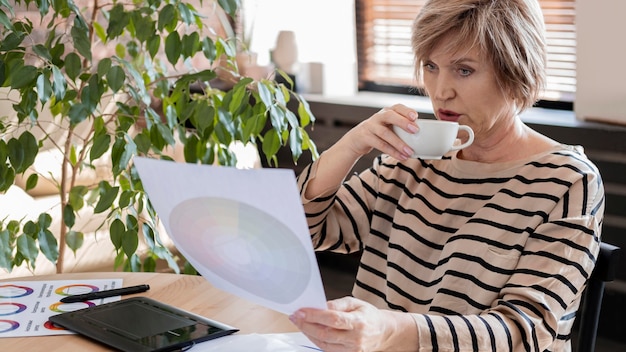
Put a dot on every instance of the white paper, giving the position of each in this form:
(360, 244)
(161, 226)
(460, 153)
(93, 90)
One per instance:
(292, 342)
(26, 306)
(243, 230)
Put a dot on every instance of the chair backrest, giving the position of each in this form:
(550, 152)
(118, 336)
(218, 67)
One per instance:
(604, 271)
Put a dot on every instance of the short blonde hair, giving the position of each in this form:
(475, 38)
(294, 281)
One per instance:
(508, 33)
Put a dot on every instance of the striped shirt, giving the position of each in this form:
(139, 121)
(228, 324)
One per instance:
(486, 257)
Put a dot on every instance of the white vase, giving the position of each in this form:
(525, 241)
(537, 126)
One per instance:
(285, 53)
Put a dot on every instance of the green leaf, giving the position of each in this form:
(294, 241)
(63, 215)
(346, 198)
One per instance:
(25, 76)
(145, 28)
(167, 17)
(6, 23)
(59, 85)
(78, 113)
(104, 66)
(3, 75)
(108, 195)
(266, 94)
(44, 89)
(230, 6)
(134, 263)
(208, 48)
(30, 229)
(277, 117)
(116, 232)
(190, 44)
(295, 143)
(153, 44)
(42, 52)
(190, 149)
(69, 217)
(30, 148)
(130, 242)
(254, 126)
(48, 245)
(12, 41)
(6, 257)
(125, 199)
(77, 197)
(116, 78)
(27, 247)
(271, 143)
(142, 141)
(185, 13)
(74, 240)
(304, 111)
(118, 20)
(45, 220)
(149, 265)
(81, 41)
(100, 32)
(31, 182)
(121, 154)
(16, 155)
(100, 145)
(173, 47)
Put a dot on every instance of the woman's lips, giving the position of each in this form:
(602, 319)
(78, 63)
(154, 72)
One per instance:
(447, 115)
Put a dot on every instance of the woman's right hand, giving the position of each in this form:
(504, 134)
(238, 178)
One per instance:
(376, 133)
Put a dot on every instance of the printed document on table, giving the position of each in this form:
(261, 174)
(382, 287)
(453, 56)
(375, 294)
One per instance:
(244, 230)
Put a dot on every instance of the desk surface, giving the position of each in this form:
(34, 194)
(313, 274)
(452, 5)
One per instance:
(191, 293)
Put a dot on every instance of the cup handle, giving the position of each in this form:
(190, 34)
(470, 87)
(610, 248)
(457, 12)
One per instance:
(470, 138)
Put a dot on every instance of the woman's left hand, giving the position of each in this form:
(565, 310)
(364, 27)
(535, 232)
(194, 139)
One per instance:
(348, 324)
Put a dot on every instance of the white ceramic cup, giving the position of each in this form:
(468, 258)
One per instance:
(434, 138)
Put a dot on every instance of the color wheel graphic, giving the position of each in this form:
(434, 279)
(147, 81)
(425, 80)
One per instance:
(14, 291)
(75, 289)
(11, 308)
(60, 307)
(234, 240)
(8, 325)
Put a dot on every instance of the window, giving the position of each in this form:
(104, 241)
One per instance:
(385, 60)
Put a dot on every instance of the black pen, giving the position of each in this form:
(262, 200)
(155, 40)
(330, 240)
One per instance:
(104, 294)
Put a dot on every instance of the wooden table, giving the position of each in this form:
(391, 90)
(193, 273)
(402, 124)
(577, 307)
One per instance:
(191, 293)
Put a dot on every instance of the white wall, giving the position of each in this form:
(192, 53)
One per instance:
(325, 33)
(601, 60)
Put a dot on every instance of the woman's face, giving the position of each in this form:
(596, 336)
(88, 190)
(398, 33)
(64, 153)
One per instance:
(463, 88)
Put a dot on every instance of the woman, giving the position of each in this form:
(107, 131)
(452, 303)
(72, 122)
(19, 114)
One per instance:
(487, 249)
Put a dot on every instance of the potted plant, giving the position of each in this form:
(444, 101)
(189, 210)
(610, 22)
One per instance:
(121, 79)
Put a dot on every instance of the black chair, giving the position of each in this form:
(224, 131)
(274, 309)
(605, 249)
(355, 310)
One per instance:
(591, 304)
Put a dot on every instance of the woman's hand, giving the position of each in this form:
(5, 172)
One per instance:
(350, 324)
(376, 133)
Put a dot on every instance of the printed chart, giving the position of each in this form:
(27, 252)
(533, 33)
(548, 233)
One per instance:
(26, 305)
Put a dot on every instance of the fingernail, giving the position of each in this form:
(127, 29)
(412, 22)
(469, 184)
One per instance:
(413, 115)
(412, 128)
(296, 316)
(407, 151)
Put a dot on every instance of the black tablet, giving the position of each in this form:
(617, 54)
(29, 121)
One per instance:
(142, 324)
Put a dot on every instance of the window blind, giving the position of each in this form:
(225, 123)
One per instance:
(385, 59)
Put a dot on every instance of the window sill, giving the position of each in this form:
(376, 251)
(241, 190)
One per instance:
(374, 100)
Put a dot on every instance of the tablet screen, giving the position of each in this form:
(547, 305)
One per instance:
(140, 321)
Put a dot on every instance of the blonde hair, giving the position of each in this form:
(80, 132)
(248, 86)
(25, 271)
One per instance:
(508, 33)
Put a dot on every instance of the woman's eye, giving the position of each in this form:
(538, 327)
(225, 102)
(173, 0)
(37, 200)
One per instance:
(465, 72)
(429, 66)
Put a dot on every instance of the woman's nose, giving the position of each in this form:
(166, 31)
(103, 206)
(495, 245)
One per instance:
(444, 88)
